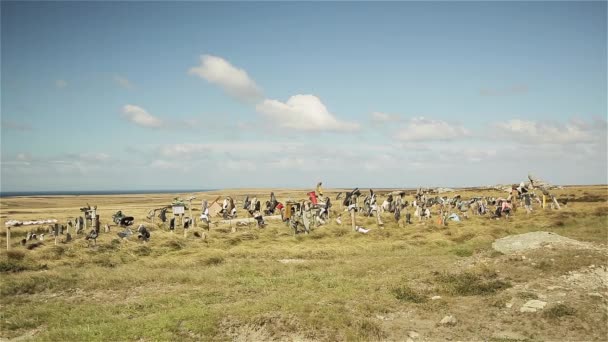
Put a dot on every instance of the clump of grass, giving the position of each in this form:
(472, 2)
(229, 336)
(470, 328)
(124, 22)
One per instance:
(213, 260)
(340, 232)
(495, 254)
(464, 237)
(174, 245)
(407, 294)
(471, 284)
(558, 311)
(12, 266)
(15, 255)
(543, 265)
(142, 250)
(559, 223)
(462, 251)
(370, 330)
(527, 295)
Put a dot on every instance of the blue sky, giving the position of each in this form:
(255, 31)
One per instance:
(211, 95)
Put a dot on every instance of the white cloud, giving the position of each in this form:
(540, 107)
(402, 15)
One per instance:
(61, 83)
(140, 117)
(303, 112)
(574, 131)
(383, 117)
(422, 129)
(236, 82)
(123, 82)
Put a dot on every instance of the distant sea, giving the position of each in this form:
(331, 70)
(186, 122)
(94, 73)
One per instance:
(97, 192)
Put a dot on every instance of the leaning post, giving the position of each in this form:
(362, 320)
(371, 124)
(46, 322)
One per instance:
(8, 238)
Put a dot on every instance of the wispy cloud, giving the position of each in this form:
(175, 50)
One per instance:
(123, 82)
(423, 129)
(234, 81)
(305, 113)
(61, 84)
(141, 117)
(380, 117)
(534, 132)
(517, 89)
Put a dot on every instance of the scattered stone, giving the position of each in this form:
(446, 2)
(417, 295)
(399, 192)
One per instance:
(448, 320)
(533, 306)
(435, 297)
(595, 295)
(551, 288)
(409, 340)
(413, 334)
(509, 305)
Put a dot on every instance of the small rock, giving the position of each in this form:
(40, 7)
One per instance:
(551, 288)
(576, 256)
(435, 297)
(523, 257)
(448, 320)
(409, 340)
(509, 305)
(541, 296)
(595, 295)
(533, 305)
(413, 334)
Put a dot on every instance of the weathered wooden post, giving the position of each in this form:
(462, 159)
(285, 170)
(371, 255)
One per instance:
(378, 219)
(56, 232)
(8, 238)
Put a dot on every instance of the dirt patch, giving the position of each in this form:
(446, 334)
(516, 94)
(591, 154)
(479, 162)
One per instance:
(534, 240)
(592, 278)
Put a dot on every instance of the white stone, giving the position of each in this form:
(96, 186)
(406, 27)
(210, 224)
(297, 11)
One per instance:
(448, 320)
(413, 334)
(435, 297)
(533, 305)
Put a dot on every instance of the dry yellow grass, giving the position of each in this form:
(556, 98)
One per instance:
(334, 284)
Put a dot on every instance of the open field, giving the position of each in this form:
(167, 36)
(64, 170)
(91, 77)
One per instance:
(333, 284)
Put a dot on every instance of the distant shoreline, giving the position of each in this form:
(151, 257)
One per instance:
(96, 192)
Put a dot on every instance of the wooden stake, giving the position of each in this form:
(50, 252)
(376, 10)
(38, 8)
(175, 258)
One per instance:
(353, 219)
(378, 219)
(8, 238)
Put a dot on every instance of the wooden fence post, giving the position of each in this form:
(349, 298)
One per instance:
(8, 238)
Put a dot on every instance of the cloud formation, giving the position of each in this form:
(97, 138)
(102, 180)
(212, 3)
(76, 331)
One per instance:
(141, 117)
(305, 113)
(123, 82)
(423, 129)
(379, 117)
(574, 131)
(234, 81)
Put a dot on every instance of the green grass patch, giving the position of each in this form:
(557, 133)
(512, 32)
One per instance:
(407, 294)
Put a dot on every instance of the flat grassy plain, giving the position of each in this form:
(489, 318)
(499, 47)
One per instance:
(333, 284)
